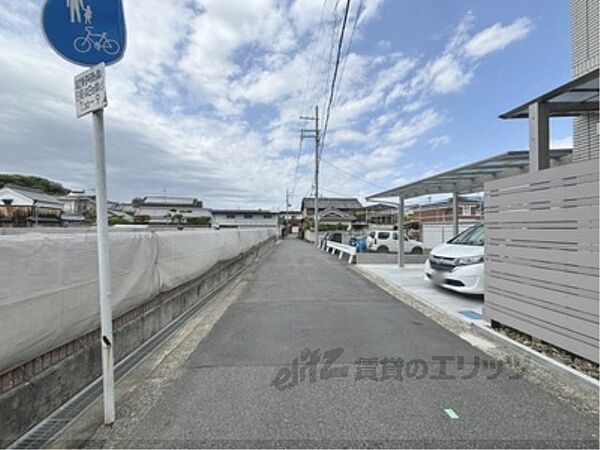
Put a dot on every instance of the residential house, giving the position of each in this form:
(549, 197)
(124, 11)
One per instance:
(127, 208)
(75, 205)
(469, 210)
(336, 218)
(25, 207)
(291, 216)
(381, 214)
(345, 205)
(239, 218)
(292, 219)
(163, 210)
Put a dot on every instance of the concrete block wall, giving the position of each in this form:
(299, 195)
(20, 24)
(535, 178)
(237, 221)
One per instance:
(30, 392)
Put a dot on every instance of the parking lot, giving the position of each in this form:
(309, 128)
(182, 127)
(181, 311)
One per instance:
(411, 279)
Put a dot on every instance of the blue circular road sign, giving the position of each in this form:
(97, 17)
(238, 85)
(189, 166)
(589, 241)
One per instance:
(85, 32)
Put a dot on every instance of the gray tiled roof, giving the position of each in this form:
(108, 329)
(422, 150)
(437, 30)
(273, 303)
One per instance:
(34, 194)
(166, 201)
(332, 203)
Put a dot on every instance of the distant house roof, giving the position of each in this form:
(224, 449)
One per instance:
(158, 200)
(34, 194)
(242, 211)
(381, 207)
(448, 203)
(151, 212)
(331, 203)
(77, 195)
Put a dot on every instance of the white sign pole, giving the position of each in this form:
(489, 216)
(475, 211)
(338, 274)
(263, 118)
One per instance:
(104, 270)
(90, 97)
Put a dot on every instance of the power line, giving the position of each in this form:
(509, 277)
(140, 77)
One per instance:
(330, 60)
(335, 74)
(307, 101)
(336, 193)
(351, 175)
(356, 18)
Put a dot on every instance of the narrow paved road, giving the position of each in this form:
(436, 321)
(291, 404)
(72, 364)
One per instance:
(247, 384)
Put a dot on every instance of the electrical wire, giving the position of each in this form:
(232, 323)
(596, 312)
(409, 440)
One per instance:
(334, 78)
(345, 59)
(308, 101)
(336, 193)
(351, 175)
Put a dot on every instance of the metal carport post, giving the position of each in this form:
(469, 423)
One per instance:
(401, 231)
(454, 213)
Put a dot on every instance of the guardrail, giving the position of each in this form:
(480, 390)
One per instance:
(342, 249)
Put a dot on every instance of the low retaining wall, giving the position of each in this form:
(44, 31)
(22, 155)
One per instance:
(389, 258)
(33, 390)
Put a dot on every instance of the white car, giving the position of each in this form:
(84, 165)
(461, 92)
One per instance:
(384, 241)
(458, 264)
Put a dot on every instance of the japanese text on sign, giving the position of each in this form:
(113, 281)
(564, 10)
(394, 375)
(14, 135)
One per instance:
(90, 90)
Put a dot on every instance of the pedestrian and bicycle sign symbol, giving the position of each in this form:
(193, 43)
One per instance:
(86, 32)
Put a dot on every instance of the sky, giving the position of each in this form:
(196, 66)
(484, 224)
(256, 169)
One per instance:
(207, 99)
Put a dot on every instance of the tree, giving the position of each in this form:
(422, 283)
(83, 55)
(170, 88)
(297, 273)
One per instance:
(116, 220)
(136, 202)
(90, 216)
(41, 184)
(198, 221)
(176, 218)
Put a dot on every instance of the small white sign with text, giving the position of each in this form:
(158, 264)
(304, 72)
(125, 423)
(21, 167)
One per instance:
(90, 90)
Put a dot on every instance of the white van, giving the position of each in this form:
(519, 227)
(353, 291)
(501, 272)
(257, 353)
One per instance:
(384, 241)
(458, 264)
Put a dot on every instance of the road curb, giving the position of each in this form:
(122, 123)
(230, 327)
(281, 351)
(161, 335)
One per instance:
(439, 315)
(563, 380)
(568, 374)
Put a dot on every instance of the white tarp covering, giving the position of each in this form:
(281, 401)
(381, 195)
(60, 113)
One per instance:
(49, 282)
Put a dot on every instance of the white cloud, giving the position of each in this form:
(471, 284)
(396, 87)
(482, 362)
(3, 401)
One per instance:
(497, 37)
(307, 13)
(207, 99)
(447, 75)
(439, 141)
(564, 142)
(407, 131)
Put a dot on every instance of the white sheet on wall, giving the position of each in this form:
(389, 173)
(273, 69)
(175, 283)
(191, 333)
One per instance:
(49, 282)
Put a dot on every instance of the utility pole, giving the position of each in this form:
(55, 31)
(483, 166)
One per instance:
(287, 213)
(314, 133)
(287, 202)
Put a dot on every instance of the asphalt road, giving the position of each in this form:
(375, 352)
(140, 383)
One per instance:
(248, 384)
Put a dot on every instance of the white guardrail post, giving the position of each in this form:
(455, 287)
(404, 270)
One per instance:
(331, 247)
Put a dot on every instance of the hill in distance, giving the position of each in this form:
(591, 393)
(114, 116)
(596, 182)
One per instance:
(27, 181)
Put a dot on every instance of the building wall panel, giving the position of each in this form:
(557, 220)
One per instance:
(585, 57)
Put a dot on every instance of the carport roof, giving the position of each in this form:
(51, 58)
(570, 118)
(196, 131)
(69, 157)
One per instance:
(470, 178)
(577, 97)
